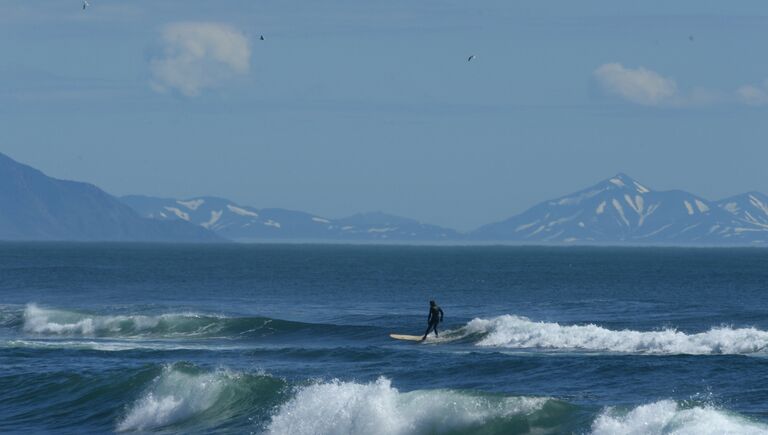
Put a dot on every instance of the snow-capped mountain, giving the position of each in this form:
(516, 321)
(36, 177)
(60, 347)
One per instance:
(751, 207)
(620, 210)
(34, 206)
(244, 223)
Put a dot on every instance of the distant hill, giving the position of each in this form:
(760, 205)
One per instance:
(620, 210)
(244, 223)
(751, 207)
(615, 211)
(36, 207)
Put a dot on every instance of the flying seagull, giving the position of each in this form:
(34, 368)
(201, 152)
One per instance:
(469, 59)
(85, 4)
(262, 37)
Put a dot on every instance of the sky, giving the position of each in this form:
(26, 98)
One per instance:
(350, 106)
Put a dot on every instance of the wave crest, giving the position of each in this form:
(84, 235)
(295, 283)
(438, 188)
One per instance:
(519, 332)
(378, 408)
(183, 395)
(62, 322)
(667, 417)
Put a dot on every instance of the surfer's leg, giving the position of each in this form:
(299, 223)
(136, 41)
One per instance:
(429, 329)
(435, 329)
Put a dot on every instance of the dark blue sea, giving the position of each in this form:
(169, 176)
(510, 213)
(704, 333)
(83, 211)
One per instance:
(293, 339)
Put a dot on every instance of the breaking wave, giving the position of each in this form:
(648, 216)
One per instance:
(184, 398)
(46, 321)
(670, 418)
(510, 331)
(378, 408)
(183, 395)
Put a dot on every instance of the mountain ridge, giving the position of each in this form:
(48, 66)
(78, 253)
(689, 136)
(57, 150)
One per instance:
(618, 210)
(35, 206)
(622, 210)
(245, 223)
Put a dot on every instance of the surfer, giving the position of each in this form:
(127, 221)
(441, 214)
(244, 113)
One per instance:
(435, 317)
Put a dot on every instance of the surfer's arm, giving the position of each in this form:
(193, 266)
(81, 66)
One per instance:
(441, 314)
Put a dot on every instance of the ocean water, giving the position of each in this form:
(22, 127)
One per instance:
(293, 339)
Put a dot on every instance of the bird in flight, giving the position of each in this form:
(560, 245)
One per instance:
(469, 59)
(262, 37)
(85, 4)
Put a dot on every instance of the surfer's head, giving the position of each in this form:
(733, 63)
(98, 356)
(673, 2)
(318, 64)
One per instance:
(432, 303)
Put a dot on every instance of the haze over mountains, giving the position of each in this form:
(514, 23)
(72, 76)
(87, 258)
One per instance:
(621, 210)
(243, 223)
(36, 207)
(616, 211)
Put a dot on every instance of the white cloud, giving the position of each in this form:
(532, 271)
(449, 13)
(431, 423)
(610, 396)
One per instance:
(753, 95)
(649, 88)
(199, 55)
(637, 85)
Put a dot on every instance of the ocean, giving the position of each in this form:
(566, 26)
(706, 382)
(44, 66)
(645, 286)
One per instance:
(293, 339)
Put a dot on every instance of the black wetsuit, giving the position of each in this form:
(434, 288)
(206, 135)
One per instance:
(435, 317)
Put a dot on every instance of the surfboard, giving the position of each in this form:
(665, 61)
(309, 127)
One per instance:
(405, 337)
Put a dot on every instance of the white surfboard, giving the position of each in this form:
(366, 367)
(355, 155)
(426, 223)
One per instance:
(405, 337)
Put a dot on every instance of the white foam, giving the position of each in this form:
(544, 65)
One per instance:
(117, 345)
(377, 408)
(519, 332)
(174, 397)
(49, 321)
(667, 417)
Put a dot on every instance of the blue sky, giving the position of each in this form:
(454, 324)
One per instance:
(350, 106)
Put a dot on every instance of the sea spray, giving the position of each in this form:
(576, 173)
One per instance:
(511, 331)
(184, 394)
(174, 396)
(338, 407)
(669, 418)
(48, 321)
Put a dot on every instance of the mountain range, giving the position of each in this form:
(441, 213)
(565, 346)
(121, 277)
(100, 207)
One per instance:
(616, 211)
(36, 207)
(243, 223)
(621, 210)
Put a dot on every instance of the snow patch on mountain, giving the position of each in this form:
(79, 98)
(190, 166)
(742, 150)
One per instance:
(703, 208)
(241, 211)
(271, 223)
(215, 216)
(193, 204)
(600, 208)
(180, 214)
(688, 207)
(640, 188)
